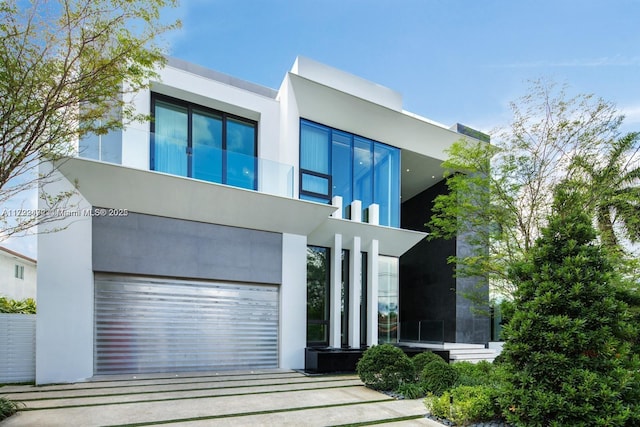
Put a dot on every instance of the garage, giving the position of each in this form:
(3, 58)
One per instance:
(148, 324)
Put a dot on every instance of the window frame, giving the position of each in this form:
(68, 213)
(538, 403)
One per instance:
(191, 106)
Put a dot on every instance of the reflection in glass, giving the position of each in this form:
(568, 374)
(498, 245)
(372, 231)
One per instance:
(387, 299)
(207, 146)
(362, 171)
(241, 167)
(171, 138)
(341, 167)
(317, 296)
(387, 183)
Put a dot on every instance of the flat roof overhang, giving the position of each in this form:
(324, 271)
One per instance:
(391, 241)
(154, 193)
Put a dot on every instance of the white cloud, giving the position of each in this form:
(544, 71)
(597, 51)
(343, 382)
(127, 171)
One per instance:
(605, 61)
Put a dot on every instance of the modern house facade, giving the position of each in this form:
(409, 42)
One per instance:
(245, 224)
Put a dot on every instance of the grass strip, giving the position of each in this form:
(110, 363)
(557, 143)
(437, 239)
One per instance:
(328, 378)
(171, 399)
(39, 399)
(243, 414)
(385, 421)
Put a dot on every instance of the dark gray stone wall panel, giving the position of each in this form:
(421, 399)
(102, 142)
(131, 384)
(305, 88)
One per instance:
(427, 285)
(152, 245)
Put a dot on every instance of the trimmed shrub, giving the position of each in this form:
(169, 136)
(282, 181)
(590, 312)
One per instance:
(411, 391)
(421, 360)
(472, 374)
(438, 377)
(464, 404)
(7, 408)
(385, 367)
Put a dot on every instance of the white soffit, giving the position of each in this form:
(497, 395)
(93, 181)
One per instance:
(153, 193)
(392, 241)
(343, 111)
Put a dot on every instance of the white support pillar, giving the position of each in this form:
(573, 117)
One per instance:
(335, 321)
(337, 202)
(356, 211)
(355, 286)
(374, 214)
(372, 294)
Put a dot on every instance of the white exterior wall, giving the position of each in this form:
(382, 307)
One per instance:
(290, 130)
(293, 302)
(64, 326)
(11, 286)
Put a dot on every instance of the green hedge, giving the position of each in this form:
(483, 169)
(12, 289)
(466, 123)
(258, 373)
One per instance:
(25, 306)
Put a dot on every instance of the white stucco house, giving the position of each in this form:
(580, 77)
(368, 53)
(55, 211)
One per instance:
(18, 275)
(245, 224)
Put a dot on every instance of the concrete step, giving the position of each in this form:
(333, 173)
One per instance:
(473, 355)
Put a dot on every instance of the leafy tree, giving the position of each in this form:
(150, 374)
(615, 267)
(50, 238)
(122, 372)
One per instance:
(501, 194)
(67, 68)
(567, 357)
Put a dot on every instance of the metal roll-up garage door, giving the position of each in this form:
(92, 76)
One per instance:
(164, 325)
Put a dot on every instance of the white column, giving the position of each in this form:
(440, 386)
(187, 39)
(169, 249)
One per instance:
(337, 202)
(372, 294)
(374, 214)
(293, 298)
(355, 286)
(356, 211)
(64, 324)
(335, 292)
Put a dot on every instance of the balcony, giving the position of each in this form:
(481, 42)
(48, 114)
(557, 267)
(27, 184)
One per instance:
(203, 162)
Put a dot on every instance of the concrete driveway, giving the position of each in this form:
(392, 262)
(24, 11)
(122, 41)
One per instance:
(256, 398)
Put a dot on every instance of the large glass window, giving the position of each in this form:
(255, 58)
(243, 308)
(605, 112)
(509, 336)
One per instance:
(337, 163)
(387, 299)
(318, 271)
(315, 180)
(191, 140)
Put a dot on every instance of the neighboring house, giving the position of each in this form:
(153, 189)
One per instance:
(17, 275)
(245, 224)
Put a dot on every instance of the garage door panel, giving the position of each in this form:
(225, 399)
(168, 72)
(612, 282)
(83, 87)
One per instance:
(161, 325)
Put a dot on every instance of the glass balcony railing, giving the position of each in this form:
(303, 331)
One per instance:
(202, 161)
(423, 331)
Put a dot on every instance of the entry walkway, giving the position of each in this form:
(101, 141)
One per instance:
(257, 398)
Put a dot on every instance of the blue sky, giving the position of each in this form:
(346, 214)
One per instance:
(452, 60)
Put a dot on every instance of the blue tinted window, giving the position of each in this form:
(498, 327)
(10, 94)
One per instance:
(314, 148)
(387, 183)
(207, 146)
(341, 167)
(241, 163)
(171, 138)
(190, 140)
(360, 169)
(363, 171)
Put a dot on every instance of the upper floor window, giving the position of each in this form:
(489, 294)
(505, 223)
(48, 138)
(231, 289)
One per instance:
(198, 142)
(19, 272)
(337, 163)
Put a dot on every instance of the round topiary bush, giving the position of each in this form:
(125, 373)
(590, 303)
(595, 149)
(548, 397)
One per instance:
(421, 360)
(385, 367)
(438, 377)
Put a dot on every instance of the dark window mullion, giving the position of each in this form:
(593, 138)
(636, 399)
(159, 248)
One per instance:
(224, 148)
(189, 141)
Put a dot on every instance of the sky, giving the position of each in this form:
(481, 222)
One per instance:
(453, 61)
